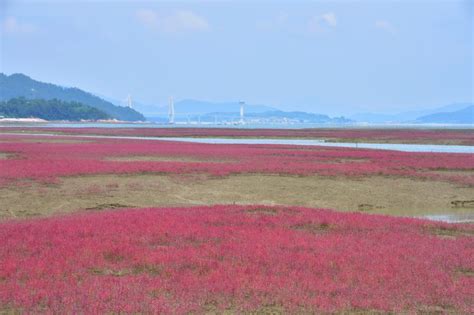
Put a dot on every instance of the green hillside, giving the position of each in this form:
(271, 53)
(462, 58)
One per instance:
(20, 85)
(49, 110)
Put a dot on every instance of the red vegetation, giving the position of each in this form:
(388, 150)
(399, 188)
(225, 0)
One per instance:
(465, 137)
(48, 161)
(179, 260)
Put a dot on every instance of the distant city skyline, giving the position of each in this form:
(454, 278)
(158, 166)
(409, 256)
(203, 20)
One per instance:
(336, 58)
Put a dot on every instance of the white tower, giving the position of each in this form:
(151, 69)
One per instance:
(129, 101)
(171, 111)
(242, 103)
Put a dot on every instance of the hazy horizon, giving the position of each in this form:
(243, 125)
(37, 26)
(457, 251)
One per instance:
(336, 58)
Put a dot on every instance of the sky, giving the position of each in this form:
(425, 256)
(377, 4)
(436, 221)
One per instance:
(331, 57)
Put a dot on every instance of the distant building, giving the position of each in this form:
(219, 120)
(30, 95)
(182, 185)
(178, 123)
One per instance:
(242, 103)
(171, 111)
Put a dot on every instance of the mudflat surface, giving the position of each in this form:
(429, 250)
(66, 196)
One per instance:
(375, 194)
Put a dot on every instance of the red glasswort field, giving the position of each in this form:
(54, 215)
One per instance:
(465, 137)
(240, 258)
(47, 161)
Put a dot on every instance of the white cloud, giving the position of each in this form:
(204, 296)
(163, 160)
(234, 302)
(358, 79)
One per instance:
(178, 22)
(147, 17)
(329, 18)
(11, 25)
(318, 23)
(386, 26)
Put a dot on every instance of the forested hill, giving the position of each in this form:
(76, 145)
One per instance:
(49, 110)
(20, 85)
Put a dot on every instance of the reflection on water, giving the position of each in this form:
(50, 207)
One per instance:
(362, 145)
(452, 218)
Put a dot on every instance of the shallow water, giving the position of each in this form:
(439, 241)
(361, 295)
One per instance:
(452, 218)
(300, 142)
(362, 145)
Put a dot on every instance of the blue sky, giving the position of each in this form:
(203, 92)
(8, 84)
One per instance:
(338, 57)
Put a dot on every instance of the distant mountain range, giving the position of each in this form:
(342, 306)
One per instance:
(193, 107)
(20, 85)
(205, 111)
(273, 116)
(190, 107)
(458, 113)
(190, 110)
(463, 116)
